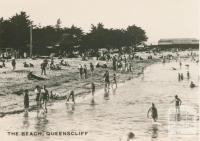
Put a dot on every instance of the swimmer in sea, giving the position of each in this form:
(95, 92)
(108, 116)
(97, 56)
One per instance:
(178, 103)
(154, 113)
(129, 137)
(192, 85)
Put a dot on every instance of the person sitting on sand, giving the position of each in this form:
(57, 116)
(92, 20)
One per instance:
(26, 101)
(178, 103)
(71, 94)
(154, 113)
(31, 76)
(45, 97)
(192, 85)
(26, 65)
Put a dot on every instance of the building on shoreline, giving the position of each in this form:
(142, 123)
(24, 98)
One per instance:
(182, 43)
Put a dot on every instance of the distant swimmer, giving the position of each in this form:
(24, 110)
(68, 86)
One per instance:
(130, 137)
(192, 85)
(71, 94)
(154, 113)
(173, 68)
(187, 65)
(178, 103)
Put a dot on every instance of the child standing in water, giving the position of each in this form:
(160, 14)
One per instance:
(154, 113)
(26, 101)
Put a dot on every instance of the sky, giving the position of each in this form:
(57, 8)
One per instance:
(159, 18)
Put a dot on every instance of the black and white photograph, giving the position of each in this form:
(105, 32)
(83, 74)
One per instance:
(99, 70)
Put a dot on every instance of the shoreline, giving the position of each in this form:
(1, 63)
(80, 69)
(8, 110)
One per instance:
(60, 85)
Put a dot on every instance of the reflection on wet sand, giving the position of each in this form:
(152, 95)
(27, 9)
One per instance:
(106, 95)
(26, 122)
(41, 123)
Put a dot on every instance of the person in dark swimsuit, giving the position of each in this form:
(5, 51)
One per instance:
(178, 103)
(154, 113)
(91, 68)
(93, 88)
(45, 96)
(13, 64)
(81, 71)
(26, 100)
(192, 85)
(71, 94)
(38, 100)
(107, 80)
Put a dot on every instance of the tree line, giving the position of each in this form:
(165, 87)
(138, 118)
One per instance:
(15, 34)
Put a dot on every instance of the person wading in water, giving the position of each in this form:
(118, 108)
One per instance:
(154, 113)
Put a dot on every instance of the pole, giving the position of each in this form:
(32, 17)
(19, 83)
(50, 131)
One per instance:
(31, 40)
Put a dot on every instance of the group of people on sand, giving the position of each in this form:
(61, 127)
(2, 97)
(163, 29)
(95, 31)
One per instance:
(122, 63)
(106, 77)
(83, 70)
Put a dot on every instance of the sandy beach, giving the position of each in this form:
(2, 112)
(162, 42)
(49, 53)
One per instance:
(60, 82)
